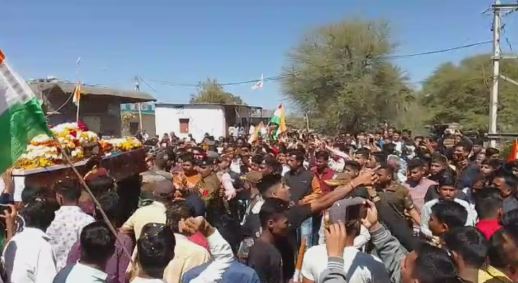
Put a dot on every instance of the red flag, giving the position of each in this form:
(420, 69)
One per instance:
(513, 155)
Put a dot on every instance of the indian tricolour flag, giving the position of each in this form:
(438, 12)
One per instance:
(279, 119)
(21, 116)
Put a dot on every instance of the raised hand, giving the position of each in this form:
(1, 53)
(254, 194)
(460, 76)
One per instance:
(336, 236)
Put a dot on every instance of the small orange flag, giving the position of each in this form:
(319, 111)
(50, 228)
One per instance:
(77, 94)
(513, 155)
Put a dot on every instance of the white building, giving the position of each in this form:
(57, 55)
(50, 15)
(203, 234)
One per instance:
(198, 119)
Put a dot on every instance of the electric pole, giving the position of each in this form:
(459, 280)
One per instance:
(493, 99)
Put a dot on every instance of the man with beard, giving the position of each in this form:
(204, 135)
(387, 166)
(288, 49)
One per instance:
(304, 188)
(321, 171)
(466, 171)
(188, 177)
(395, 194)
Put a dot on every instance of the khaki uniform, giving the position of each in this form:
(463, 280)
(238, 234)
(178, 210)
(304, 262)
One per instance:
(398, 197)
(209, 187)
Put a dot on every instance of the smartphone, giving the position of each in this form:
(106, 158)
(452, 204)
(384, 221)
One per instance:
(346, 210)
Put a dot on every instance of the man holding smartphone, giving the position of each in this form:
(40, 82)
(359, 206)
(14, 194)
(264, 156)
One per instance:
(359, 266)
(280, 220)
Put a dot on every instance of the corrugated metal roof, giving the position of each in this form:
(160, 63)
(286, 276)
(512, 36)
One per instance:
(126, 96)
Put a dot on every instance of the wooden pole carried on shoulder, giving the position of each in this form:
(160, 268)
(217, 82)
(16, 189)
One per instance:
(96, 202)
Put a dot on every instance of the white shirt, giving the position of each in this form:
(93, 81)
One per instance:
(226, 181)
(84, 273)
(65, 229)
(285, 169)
(359, 267)
(398, 146)
(359, 242)
(337, 165)
(264, 131)
(426, 213)
(28, 257)
(235, 166)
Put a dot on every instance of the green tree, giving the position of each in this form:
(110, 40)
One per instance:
(341, 75)
(210, 91)
(460, 93)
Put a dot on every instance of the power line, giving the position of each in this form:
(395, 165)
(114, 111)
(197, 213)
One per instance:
(278, 77)
(146, 83)
(438, 51)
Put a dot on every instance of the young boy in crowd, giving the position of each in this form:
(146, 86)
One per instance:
(446, 215)
(97, 246)
(489, 210)
(468, 248)
(447, 192)
(503, 256)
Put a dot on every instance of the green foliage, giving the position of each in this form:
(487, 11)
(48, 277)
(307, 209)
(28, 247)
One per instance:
(340, 75)
(210, 91)
(296, 121)
(460, 93)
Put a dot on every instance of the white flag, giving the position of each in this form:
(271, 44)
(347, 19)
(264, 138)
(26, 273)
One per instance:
(259, 84)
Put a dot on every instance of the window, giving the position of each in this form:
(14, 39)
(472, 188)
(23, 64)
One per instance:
(184, 126)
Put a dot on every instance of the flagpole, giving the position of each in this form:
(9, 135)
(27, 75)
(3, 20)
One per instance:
(77, 112)
(137, 89)
(78, 63)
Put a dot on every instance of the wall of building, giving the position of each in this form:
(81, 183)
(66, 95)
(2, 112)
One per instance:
(131, 126)
(202, 119)
(100, 113)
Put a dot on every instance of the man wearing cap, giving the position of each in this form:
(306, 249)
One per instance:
(251, 224)
(209, 189)
(163, 193)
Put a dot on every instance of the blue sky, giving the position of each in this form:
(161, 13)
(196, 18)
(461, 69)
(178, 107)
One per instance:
(230, 40)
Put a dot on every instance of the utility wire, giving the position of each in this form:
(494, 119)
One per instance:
(278, 77)
(438, 51)
(146, 83)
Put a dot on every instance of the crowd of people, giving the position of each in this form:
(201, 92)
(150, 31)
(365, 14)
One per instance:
(384, 206)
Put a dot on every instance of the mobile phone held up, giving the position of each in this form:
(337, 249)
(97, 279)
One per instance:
(347, 210)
